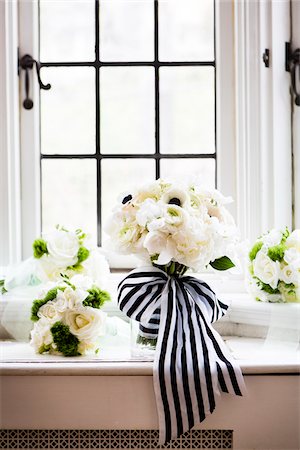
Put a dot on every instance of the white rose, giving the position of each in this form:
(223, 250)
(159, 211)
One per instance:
(266, 270)
(293, 241)
(63, 247)
(290, 274)
(273, 238)
(49, 311)
(292, 256)
(86, 323)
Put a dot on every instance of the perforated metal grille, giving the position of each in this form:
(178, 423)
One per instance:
(111, 439)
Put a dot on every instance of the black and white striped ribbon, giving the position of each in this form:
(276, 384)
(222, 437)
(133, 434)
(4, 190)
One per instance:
(192, 365)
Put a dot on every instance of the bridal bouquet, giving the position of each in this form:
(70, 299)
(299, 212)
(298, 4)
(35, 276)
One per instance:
(274, 267)
(173, 228)
(59, 251)
(67, 317)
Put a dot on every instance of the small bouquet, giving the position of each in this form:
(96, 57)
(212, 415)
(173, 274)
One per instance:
(274, 269)
(60, 251)
(67, 317)
(174, 228)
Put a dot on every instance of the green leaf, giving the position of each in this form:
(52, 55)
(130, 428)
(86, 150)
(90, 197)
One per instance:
(82, 255)
(223, 263)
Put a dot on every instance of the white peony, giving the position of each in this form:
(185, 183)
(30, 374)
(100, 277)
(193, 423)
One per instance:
(63, 247)
(266, 270)
(148, 211)
(86, 323)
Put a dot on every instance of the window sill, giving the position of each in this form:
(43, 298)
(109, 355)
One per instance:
(20, 359)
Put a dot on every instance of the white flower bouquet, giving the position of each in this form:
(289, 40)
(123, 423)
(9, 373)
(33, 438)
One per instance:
(67, 317)
(175, 227)
(274, 267)
(59, 251)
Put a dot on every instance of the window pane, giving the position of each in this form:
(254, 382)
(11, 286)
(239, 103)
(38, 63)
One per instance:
(67, 30)
(200, 170)
(126, 30)
(127, 110)
(68, 110)
(121, 175)
(187, 117)
(69, 191)
(186, 30)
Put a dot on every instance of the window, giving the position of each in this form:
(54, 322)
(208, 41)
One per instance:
(248, 128)
(129, 102)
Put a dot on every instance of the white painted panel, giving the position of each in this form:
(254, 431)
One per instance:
(267, 418)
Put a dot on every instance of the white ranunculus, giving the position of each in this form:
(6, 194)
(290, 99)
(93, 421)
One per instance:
(293, 241)
(49, 311)
(175, 215)
(86, 323)
(290, 274)
(273, 238)
(63, 247)
(266, 270)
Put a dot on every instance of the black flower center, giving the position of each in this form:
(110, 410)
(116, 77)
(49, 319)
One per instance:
(175, 201)
(127, 199)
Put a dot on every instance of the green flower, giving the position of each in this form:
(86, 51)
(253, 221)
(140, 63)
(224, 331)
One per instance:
(65, 341)
(82, 255)
(39, 248)
(255, 249)
(288, 292)
(276, 253)
(96, 298)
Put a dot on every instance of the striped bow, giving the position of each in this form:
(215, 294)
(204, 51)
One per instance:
(192, 364)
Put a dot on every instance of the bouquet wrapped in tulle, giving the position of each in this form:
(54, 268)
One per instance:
(67, 317)
(173, 228)
(59, 251)
(274, 267)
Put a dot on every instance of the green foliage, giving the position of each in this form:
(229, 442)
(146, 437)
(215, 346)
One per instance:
(146, 341)
(65, 341)
(266, 287)
(285, 234)
(255, 249)
(81, 236)
(96, 298)
(51, 295)
(288, 292)
(82, 255)
(276, 253)
(2, 288)
(223, 263)
(39, 248)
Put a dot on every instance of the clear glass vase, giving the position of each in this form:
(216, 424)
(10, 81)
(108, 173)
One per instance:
(143, 348)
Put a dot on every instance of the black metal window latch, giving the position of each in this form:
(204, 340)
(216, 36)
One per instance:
(292, 65)
(26, 63)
